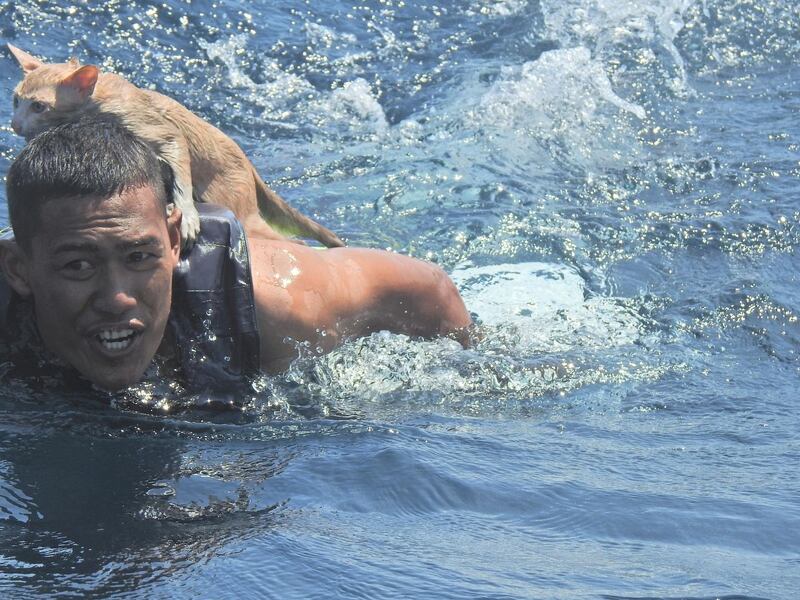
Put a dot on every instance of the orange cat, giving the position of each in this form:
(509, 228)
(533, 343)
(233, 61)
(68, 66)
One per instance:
(208, 165)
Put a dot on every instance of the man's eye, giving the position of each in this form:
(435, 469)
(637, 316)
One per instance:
(78, 268)
(38, 107)
(141, 258)
(78, 265)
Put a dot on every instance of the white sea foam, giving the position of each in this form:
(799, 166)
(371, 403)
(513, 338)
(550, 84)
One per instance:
(548, 305)
(565, 102)
(499, 8)
(275, 95)
(352, 109)
(321, 37)
(567, 78)
(609, 20)
(602, 25)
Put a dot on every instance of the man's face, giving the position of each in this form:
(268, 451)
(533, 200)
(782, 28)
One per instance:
(100, 272)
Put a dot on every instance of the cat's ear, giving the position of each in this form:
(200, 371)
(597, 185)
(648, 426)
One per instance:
(82, 81)
(25, 60)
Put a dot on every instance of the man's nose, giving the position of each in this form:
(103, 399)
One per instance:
(114, 294)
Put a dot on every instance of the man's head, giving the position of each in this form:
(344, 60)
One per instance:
(95, 248)
(90, 157)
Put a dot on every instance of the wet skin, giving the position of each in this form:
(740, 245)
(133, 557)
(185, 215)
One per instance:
(325, 297)
(100, 272)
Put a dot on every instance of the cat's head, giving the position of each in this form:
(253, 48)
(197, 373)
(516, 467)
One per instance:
(50, 94)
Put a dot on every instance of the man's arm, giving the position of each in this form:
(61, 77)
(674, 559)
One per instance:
(325, 296)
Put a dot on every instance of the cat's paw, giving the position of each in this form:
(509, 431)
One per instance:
(190, 227)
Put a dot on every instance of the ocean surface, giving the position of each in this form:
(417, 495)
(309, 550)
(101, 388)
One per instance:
(614, 186)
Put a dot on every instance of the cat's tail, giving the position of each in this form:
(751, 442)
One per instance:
(289, 220)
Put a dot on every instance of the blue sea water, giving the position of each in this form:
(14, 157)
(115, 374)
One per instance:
(612, 183)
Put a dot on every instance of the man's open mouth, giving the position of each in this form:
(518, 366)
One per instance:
(115, 340)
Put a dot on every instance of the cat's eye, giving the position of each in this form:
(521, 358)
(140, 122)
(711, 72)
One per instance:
(37, 106)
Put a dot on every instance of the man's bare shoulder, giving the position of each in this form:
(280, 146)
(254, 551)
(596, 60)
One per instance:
(348, 276)
(302, 292)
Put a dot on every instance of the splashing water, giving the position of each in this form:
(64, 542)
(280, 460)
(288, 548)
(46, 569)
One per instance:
(611, 185)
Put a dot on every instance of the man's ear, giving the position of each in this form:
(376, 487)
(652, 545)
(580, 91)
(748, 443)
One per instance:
(14, 264)
(174, 218)
(25, 60)
(82, 81)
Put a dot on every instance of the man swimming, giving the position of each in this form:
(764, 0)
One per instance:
(98, 283)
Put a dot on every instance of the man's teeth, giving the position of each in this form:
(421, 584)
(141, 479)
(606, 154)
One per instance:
(116, 339)
(115, 334)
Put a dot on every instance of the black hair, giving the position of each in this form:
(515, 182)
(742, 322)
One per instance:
(95, 156)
